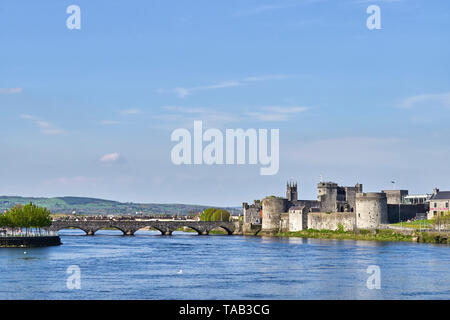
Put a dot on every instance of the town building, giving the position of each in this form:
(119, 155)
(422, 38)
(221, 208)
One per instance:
(439, 203)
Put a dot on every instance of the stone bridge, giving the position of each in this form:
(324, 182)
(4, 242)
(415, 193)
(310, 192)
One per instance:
(129, 227)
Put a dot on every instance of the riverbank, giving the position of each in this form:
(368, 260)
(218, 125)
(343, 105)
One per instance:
(29, 242)
(372, 235)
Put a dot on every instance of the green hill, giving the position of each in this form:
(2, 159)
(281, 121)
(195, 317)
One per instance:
(93, 206)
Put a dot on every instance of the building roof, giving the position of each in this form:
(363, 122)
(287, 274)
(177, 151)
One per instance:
(441, 195)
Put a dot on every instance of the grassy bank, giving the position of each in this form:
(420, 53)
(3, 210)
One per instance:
(215, 231)
(370, 235)
(424, 224)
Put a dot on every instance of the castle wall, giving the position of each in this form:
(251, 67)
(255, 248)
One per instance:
(284, 222)
(331, 221)
(306, 203)
(351, 195)
(272, 208)
(371, 210)
(250, 229)
(327, 195)
(395, 196)
(298, 219)
(407, 211)
(252, 213)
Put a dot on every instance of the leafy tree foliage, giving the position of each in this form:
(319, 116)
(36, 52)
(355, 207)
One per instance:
(213, 214)
(442, 219)
(28, 216)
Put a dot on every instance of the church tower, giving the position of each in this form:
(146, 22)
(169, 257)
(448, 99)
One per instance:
(291, 191)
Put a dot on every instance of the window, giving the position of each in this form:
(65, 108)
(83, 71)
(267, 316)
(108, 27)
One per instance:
(435, 204)
(446, 205)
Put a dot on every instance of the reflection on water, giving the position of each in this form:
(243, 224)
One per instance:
(147, 266)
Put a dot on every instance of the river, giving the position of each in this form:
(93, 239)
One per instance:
(188, 266)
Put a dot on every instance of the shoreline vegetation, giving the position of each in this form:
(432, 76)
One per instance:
(371, 235)
(25, 226)
(421, 231)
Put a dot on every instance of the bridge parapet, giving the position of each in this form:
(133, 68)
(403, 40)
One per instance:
(129, 227)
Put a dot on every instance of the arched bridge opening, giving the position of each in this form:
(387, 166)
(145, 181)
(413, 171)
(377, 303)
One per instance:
(129, 227)
(220, 230)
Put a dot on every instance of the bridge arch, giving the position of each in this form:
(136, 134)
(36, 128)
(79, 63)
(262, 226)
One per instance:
(71, 227)
(125, 232)
(201, 230)
(164, 232)
(222, 228)
(192, 228)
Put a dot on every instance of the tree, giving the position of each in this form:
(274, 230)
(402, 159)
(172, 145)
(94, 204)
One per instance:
(214, 214)
(442, 219)
(28, 216)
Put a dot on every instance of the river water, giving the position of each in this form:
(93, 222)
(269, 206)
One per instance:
(188, 266)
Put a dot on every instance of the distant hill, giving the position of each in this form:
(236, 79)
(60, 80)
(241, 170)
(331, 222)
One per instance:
(93, 206)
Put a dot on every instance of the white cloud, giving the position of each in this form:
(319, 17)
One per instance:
(10, 90)
(185, 91)
(426, 100)
(26, 116)
(265, 78)
(45, 127)
(182, 92)
(113, 158)
(130, 111)
(185, 117)
(277, 113)
(110, 157)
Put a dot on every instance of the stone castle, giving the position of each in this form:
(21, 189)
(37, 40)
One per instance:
(336, 206)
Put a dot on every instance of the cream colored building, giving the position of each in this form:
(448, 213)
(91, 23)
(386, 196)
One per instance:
(439, 203)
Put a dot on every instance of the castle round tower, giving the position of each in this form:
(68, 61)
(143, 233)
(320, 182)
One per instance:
(371, 210)
(272, 207)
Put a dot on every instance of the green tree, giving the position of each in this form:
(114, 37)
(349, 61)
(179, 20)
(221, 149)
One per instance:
(28, 216)
(442, 219)
(206, 214)
(221, 215)
(214, 214)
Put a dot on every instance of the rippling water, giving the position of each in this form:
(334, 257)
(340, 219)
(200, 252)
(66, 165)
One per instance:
(147, 266)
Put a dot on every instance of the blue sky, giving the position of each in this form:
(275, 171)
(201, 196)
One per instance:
(89, 112)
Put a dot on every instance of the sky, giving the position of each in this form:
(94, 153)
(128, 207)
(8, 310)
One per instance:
(90, 111)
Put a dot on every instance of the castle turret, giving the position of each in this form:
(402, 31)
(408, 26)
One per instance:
(272, 207)
(371, 210)
(291, 191)
(327, 195)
